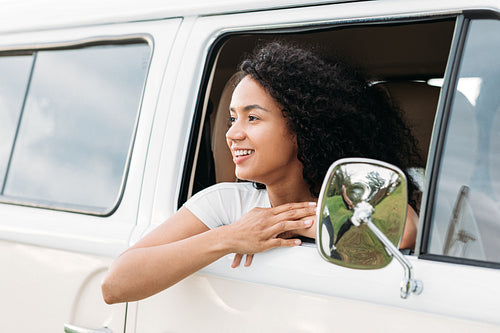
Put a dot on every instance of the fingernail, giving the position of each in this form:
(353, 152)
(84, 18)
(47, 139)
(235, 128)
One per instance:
(297, 242)
(308, 222)
(312, 204)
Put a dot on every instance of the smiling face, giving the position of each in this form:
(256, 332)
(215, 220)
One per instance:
(263, 148)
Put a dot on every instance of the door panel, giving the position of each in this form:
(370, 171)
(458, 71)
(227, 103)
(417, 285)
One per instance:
(44, 288)
(324, 298)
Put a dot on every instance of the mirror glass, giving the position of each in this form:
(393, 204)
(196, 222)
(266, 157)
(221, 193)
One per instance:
(355, 183)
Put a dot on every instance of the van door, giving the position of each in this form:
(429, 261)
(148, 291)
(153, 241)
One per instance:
(293, 289)
(77, 107)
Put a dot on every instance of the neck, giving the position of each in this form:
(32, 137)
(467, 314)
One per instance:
(290, 191)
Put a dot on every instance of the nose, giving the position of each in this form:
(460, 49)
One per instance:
(235, 133)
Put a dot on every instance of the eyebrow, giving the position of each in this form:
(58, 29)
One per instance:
(247, 108)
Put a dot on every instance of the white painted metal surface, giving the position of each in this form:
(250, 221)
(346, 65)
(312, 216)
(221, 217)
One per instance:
(43, 288)
(48, 14)
(250, 300)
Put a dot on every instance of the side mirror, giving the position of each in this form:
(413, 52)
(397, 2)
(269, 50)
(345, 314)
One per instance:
(361, 216)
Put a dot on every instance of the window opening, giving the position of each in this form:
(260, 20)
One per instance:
(400, 55)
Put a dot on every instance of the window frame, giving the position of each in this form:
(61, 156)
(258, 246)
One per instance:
(24, 95)
(439, 139)
(126, 39)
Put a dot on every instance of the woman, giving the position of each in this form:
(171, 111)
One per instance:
(291, 115)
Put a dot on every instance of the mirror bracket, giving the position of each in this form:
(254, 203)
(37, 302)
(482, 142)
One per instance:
(409, 285)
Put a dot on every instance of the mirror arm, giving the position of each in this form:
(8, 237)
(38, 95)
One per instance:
(409, 284)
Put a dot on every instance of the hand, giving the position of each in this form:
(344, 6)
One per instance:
(264, 228)
(308, 232)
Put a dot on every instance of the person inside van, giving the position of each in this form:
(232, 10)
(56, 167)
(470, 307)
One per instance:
(291, 115)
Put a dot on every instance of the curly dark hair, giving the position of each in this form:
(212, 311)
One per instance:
(333, 110)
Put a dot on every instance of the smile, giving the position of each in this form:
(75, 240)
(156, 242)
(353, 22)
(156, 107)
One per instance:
(243, 152)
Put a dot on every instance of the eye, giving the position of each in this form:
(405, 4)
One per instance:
(230, 121)
(253, 118)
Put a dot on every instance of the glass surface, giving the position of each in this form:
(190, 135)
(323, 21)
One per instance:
(78, 125)
(348, 191)
(466, 218)
(14, 76)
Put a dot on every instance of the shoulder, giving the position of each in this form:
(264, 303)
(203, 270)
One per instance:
(224, 203)
(243, 188)
(224, 194)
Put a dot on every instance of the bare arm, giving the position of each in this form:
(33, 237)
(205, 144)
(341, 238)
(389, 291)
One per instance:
(148, 266)
(183, 244)
(410, 231)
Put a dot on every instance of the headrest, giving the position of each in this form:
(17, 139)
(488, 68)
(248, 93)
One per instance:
(224, 166)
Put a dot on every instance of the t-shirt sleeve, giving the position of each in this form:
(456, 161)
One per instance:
(215, 206)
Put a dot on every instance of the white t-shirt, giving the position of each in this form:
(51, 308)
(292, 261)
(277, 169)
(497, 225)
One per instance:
(225, 203)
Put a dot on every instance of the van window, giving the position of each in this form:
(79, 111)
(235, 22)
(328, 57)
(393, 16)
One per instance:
(465, 221)
(14, 71)
(75, 131)
(401, 56)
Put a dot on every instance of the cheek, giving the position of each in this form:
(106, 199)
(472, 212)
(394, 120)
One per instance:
(289, 140)
(284, 145)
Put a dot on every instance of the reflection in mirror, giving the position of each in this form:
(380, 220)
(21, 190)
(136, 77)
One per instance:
(361, 215)
(359, 188)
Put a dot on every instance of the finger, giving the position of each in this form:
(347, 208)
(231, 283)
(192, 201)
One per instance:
(308, 223)
(236, 260)
(285, 226)
(280, 242)
(248, 260)
(309, 220)
(292, 206)
(297, 213)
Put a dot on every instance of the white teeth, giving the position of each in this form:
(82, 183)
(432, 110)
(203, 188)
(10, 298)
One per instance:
(243, 152)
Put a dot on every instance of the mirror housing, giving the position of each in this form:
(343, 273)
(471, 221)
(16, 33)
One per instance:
(361, 215)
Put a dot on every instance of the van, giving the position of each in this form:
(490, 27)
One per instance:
(110, 119)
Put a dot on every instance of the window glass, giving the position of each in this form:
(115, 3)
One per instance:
(14, 74)
(78, 125)
(466, 220)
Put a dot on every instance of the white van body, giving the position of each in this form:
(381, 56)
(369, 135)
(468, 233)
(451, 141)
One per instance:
(53, 259)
